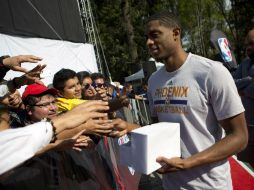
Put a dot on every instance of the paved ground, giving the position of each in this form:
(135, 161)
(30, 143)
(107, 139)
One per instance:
(150, 182)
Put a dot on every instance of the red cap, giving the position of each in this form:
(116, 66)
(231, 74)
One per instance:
(37, 89)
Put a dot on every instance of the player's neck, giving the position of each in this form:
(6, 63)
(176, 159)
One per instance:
(175, 61)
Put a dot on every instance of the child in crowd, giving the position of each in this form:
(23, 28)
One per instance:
(69, 89)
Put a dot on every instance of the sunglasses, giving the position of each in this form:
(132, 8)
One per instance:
(86, 86)
(100, 85)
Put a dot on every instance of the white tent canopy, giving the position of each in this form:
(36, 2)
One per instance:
(140, 74)
(56, 54)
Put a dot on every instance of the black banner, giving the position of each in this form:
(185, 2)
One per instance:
(53, 19)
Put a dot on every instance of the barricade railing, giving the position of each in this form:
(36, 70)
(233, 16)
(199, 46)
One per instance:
(138, 112)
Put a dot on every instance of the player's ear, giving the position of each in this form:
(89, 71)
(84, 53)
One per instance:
(176, 33)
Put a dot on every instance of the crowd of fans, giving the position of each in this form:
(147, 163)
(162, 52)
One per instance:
(62, 137)
(96, 101)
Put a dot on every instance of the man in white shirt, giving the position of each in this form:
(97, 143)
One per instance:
(200, 94)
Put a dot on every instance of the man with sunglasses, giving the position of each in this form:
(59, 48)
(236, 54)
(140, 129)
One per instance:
(99, 80)
(99, 85)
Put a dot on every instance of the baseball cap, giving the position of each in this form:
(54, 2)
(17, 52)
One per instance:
(37, 89)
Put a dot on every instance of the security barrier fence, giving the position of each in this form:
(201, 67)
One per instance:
(138, 112)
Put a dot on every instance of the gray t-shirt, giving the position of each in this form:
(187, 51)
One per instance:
(197, 95)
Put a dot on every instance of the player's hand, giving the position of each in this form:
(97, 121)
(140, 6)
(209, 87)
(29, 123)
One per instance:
(170, 164)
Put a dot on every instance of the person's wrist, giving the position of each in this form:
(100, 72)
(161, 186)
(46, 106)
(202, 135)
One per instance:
(187, 163)
(127, 127)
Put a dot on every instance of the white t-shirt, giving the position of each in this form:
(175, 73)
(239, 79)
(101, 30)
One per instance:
(19, 145)
(197, 95)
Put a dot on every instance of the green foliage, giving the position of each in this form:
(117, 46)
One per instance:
(241, 18)
(198, 18)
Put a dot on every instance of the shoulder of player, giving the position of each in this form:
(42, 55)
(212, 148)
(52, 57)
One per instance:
(205, 61)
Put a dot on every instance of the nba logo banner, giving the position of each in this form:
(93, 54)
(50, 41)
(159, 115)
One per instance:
(225, 50)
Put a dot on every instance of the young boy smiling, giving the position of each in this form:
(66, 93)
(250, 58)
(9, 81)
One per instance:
(69, 89)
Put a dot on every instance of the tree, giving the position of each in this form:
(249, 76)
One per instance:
(125, 7)
(121, 27)
(242, 20)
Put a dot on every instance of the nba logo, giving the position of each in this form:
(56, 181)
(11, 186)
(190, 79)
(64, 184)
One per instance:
(225, 51)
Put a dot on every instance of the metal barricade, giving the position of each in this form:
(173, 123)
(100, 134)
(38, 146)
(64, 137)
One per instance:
(138, 112)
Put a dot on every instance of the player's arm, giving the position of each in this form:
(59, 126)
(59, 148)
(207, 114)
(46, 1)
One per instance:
(235, 141)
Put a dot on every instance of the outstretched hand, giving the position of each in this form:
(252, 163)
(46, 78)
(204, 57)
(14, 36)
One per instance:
(77, 142)
(98, 127)
(83, 142)
(14, 63)
(81, 114)
(32, 76)
(122, 127)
